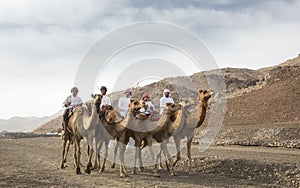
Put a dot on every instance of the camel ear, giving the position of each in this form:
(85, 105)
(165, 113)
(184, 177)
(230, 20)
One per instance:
(200, 90)
(168, 104)
(93, 96)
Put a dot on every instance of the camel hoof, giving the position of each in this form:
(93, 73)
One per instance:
(142, 169)
(174, 164)
(78, 171)
(191, 172)
(161, 166)
(102, 170)
(113, 165)
(173, 174)
(122, 175)
(134, 172)
(87, 171)
(168, 168)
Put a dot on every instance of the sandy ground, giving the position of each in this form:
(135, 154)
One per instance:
(35, 162)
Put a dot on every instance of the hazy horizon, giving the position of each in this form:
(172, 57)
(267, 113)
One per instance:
(43, 43)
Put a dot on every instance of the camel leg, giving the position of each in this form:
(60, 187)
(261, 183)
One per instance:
(122, 148)
(178, 156)
(141, 166)
(63, 146)
(115, 154)
(189, 147)
(166, 161)
(105, 157)
(155, 171)
(96, 161)
(121, 157)
(77, 150)
(90, 155)
(168, 158)
(75, 156)
(158, 158)
(136, 154)
(98, 150)
(67, 151)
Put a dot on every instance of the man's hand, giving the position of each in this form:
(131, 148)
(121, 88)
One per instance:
(67, 103)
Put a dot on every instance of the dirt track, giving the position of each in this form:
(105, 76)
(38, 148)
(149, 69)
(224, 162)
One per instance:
(34, 162)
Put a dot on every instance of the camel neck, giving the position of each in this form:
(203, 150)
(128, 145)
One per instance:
(202, 106)
(87, 121)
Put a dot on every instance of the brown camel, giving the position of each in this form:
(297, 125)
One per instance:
(188, 129)
(111, 129)
(82, 125)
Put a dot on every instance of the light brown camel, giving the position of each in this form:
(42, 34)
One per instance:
(189, 128)
(82, 125)
(113, 130)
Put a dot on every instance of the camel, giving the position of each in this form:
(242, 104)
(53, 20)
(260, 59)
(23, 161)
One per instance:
(188, 129)
(82, 125)
(111, 129)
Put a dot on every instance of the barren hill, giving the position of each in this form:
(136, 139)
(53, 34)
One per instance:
(277, 101)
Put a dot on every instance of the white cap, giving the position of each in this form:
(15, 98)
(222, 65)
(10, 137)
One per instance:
(166, 91)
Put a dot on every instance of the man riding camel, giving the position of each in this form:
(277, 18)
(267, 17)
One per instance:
(165, 99)
(105, 98)
(149, 107)
(71, 102)
(124, 102)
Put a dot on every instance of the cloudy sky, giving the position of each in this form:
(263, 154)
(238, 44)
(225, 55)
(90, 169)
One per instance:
(44, 41)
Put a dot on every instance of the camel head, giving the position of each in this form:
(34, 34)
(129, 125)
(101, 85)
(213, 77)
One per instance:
(112, 116)
(204, 95)
(172, 107)
(143, 104)
(134, 105)
(97, 98)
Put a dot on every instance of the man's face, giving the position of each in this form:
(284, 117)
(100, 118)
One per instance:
(103, 92)
(74, 93)
(127, 95)
(167, 94)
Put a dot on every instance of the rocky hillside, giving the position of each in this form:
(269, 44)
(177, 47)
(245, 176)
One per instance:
(51, 126)
(263, 96)
(277, 101)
